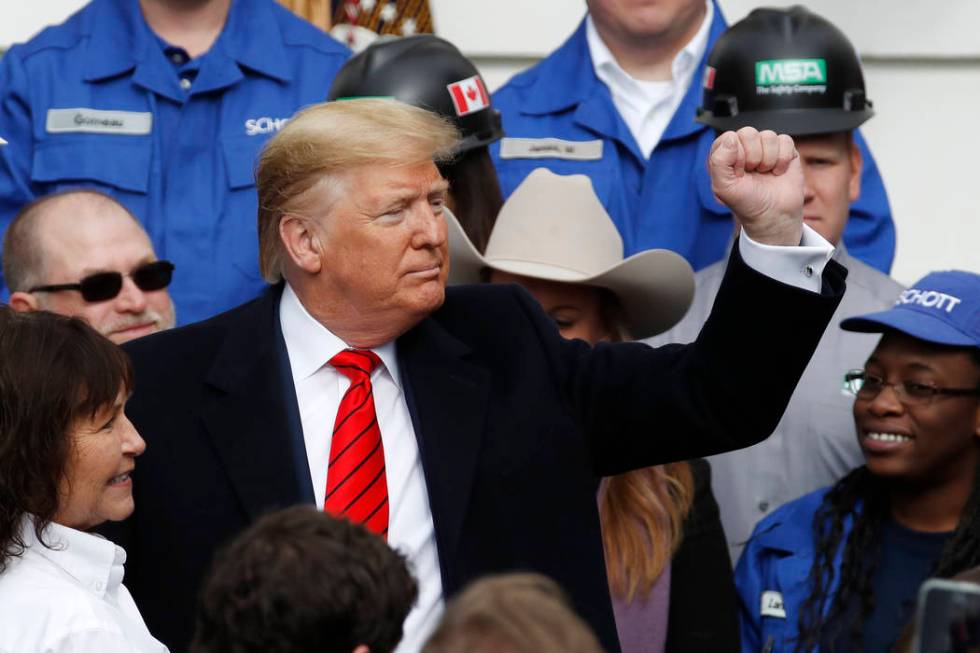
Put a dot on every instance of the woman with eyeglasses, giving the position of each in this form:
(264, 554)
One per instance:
(67, 456)
(840, 569)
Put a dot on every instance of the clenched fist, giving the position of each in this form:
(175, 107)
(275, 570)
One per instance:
(758, 176)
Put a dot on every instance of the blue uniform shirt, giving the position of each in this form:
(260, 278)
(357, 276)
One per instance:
(665, 201)
(179, 154)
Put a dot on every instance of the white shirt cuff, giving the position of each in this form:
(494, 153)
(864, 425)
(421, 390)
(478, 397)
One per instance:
(800, 266)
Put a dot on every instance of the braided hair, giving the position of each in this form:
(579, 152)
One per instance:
(862, 497)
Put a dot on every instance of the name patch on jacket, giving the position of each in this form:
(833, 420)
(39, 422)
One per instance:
(98, 121)
(772, 605)
(550, 148)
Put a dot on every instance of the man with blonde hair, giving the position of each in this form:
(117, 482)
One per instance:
(454, 422)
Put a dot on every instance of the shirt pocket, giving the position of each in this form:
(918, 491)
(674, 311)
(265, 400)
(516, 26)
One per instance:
(123, 165)
(239, 232)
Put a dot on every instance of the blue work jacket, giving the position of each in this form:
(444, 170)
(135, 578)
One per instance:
(772, 576)
(181, 160)
(665, 201)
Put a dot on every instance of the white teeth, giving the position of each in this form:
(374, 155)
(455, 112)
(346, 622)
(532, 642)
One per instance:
(120, 479)
(888, 437)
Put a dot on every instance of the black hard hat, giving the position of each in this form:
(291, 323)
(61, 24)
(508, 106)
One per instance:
(788, 70)
(425, 71)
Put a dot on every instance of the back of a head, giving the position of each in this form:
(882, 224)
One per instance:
(512, 613)
(302, 581)
(427, 72)
(788, 70)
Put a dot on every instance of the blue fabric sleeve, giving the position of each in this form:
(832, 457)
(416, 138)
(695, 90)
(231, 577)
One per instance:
(870, 231)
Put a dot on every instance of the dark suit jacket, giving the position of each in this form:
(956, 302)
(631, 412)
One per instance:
(703, 602)
(514, 425)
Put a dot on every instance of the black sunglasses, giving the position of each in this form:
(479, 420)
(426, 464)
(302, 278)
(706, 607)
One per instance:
(103, 286)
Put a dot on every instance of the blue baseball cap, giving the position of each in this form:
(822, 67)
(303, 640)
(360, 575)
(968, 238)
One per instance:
(942, 307)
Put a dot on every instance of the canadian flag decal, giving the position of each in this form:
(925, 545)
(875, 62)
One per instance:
(469, 95)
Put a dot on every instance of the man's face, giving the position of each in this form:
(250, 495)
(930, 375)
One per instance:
(832, 176)
(384, 249)
(82, 238)
(657, 22)
(928, 443)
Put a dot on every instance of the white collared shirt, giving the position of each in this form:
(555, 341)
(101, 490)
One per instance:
(647, 107)
(69, 598)
(319, 390)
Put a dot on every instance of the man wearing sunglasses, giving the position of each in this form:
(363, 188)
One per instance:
(82, 253)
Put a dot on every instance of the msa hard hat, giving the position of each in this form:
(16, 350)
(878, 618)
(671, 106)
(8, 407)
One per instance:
(788, 70)
(428, 72)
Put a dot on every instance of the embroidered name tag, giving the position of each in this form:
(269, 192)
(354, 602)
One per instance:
(97, 121)
(772, 605)
(550, 148)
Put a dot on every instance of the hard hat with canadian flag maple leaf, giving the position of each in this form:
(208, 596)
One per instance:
(428, 72)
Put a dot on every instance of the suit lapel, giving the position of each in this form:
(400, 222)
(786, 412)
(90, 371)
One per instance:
(447, 398)
(247, 416)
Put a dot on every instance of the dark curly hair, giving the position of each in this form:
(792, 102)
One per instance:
(54, 370)
(300, 580)
(862, 497)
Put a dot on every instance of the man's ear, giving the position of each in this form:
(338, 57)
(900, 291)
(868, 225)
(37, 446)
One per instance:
(23, 302)
(302, 242)
(854, 183)
(361, 648)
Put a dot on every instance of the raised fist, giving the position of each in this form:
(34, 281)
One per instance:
(758, 176)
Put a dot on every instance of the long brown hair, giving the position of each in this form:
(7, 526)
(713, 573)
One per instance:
(475, 193)
(54, 370)
(642, 512)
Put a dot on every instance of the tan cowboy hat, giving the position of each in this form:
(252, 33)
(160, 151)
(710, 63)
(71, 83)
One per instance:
(554, 227)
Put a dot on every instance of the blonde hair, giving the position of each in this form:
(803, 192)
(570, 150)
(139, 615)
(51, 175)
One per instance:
(323, 142)
(512, 613)
(642, 515)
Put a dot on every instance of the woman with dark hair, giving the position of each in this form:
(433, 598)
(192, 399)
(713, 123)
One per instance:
(666, 556)
(429, 72)
(66, 457)
(839, 569)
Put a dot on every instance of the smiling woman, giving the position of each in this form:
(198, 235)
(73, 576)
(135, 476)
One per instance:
(912, 511)
(67, 451)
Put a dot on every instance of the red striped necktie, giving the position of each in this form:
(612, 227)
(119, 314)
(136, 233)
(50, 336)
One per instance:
(357, 487)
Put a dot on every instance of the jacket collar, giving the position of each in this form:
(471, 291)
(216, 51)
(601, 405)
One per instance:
(121, 41)
(249, 410)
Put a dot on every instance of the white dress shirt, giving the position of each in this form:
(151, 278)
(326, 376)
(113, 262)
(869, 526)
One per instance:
(647, 107)
(319, 390)
(69, 598)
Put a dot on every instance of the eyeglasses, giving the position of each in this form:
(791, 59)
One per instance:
(866, 387)
(102, 286)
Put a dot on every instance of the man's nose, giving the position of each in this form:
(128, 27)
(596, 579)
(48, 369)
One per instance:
(431, 228)
(808, 192)
(130, 299)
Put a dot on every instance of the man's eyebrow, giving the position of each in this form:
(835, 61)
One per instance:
(89, 271)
